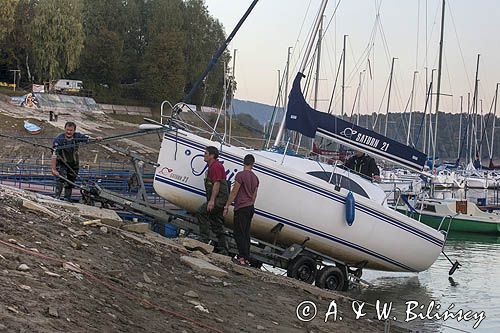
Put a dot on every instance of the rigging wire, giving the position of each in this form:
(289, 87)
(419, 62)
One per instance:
(418, 33)
(450, 10)
(311, 59)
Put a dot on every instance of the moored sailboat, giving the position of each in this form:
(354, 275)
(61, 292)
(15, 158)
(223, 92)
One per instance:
(454, 215)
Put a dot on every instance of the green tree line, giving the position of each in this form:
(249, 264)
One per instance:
(453, 137)
(142, 50)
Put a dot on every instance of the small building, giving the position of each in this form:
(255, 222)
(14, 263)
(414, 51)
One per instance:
(66, 85)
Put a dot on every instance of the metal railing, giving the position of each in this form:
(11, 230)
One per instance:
(109, 175)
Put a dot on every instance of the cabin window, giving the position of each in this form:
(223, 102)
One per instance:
(429, 208)
(340, 180)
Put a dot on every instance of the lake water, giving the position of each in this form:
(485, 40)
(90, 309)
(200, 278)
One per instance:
(473, 287)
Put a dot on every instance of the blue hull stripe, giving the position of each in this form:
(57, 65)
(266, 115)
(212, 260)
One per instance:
(316, 190)
(293, 224)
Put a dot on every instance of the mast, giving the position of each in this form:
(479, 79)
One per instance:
(429, 142)
(474, 113)
(318, 62)
(277, 105)
(481, 130)
(438, 83)
(469, 125)
(343, 77)
(427, 95)
(281, 129)
(389, 97)
(232, 96)
(359, 95)
(460, 125)
(318, 58)
(307, 53)
(493, 129)
(222, 107)
(411, 107)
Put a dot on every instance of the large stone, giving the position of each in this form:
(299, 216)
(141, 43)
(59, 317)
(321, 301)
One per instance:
(200, 255)
(28, 204)
(53, 312)
(193, 245)
(147, 279)
(107, 216)
(136, 238)
(220, 258)
(192, 294)
(140, 228)
(23, 268)
(250, 272)
(203, 266)
(157, 238)
(59, 203)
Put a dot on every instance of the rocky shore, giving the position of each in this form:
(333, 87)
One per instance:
(64, 268)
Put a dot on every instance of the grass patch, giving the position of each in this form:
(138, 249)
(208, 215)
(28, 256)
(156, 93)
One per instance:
(9, 92)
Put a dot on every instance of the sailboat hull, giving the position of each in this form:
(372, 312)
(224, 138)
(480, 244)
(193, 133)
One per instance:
(460, 224)
(308, 207)
(445, 215)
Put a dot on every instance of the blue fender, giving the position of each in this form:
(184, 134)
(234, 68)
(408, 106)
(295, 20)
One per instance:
(350, 208)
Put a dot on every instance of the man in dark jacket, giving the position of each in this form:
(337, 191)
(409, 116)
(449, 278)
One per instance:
(364, 165)
(65, 160)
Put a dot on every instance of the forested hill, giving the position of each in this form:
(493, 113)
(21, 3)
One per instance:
(261, 112)
(134, 50)
(447, 133)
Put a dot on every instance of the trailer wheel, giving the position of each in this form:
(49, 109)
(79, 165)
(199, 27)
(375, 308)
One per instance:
(332, 278)
(302, 268)
(255, 264)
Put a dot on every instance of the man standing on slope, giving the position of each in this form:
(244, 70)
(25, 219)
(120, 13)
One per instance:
(243, 194)
(217, 191)
(65, 160)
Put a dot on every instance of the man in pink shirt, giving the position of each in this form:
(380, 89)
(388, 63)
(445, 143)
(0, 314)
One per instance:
(217, 191)
(243, 194)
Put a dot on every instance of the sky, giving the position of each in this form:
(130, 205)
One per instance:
(407, 30)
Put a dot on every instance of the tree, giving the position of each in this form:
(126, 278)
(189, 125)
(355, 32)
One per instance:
(133, 40)
(163, 65)
(104, 24)
(7, 17)
(163, 68)
(100, 60)
(204, 36)
(15, 47)
(56, 37)
(249, 122)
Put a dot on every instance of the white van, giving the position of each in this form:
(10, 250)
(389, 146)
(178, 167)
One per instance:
(68, 85)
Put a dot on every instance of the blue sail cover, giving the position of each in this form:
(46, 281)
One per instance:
(302, 118)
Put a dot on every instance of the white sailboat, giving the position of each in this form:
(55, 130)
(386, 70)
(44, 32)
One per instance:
(307, 197)
(296, 194)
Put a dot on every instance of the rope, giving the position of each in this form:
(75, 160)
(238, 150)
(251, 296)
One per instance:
(129, 295)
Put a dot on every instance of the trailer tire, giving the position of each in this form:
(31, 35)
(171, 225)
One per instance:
(255, 264)
(302, 268)
(332, 278)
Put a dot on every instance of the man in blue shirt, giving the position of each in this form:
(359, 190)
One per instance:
(65, 160)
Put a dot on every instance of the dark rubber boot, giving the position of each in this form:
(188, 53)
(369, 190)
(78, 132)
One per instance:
(222, 247)
(67, 193)
(59, 187)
